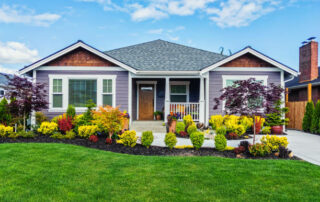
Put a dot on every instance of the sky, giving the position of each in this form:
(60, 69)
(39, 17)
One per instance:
(31, 30)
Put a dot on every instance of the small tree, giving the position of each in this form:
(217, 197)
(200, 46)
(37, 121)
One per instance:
(307, 119)
(25, 97)
(315, 119)
(5, 116)
(250, 98)
(71, 112)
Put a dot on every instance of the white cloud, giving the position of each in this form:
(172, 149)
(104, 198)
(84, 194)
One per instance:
(18, 14)
(15, 53)
(8, 71)
(167, 33)
(150, 12)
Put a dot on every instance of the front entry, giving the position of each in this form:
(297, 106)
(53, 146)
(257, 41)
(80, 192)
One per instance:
(146, 101)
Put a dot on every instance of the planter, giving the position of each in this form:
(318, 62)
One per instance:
(158, 117)
(277, 130)
(125, 125)
(172, 127)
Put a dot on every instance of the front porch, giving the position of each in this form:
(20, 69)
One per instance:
(186, 96)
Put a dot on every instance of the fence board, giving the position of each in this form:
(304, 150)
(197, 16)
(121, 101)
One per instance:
(295, 114)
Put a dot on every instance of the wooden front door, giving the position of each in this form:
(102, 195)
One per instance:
(146, 102)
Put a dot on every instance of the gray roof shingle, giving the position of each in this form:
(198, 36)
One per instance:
(162, 55)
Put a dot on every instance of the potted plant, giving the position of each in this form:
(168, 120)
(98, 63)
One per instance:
(172, 121)
(275, 120)
(126, 118)
(157, 115)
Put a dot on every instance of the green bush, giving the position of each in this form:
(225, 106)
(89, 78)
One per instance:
(57, 135)
(24, 134)
(259, 149)
(315, 119)
(129, 138)
(170, 140)
(5, 116)
(70, 135)
(40, 117)
(266, 130)
(221, 131)
(191, 129)
(147, 138)
(71, 111)
(220, 142)
(307, 119)
(180, 127)
(197, 139)
(240, 130)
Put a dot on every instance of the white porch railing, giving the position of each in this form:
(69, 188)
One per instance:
(186, 108)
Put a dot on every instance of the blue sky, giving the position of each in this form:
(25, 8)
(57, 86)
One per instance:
(30, 30)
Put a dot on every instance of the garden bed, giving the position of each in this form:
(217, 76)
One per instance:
(137, 150)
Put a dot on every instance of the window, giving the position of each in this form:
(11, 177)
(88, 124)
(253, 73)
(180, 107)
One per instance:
(57, 93)
(1, 92)
(81, 91)
(179, 93)
(107, 93)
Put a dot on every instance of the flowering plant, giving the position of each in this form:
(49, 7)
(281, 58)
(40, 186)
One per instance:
(173, 117)
(125, 114)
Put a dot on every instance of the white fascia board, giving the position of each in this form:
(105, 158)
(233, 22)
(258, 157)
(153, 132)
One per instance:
(168, 73)
(71, 48)
(255, 53)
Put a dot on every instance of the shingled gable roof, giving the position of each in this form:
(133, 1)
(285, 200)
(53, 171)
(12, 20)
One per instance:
(160, 55)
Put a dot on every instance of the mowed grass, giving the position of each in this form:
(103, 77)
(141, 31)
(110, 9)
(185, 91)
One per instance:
(60, 172)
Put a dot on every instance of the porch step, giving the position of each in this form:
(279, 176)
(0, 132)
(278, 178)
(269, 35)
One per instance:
(154, 126)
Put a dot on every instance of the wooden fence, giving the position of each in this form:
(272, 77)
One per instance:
(295, 114)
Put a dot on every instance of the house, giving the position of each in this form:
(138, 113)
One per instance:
(143, 78)
(3, 83)
(307, 85)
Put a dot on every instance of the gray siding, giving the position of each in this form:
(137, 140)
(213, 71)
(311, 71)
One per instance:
(216, 82)
(121, 85)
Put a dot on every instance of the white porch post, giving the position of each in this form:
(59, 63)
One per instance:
(207, 100)
(130, 99)
(283, 95)
(33, 113)
(167, 100)
(201, 101)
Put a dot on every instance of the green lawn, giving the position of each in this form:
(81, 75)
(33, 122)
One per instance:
(59, 172)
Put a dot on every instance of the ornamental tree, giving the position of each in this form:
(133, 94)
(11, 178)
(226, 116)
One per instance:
(25, 96)
(307, 119)
(250, 98)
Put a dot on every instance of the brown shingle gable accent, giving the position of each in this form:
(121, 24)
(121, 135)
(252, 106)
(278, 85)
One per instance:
(80, 57)
(247, 60)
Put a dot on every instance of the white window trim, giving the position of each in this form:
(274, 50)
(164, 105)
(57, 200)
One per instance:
(154, 94)
(241, 77)
(57, 93)
(65, 90)
(180, 83)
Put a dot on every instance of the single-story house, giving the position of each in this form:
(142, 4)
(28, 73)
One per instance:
(148, 77)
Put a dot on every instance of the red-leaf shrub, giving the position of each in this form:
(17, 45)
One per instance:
(232, 136)
(65, 124)
(183, 134)
(108, 141)
(239, 150)
(93, 138)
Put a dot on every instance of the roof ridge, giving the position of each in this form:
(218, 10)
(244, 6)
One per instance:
(131, 45)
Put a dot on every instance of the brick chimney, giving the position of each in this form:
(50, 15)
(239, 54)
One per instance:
(308, 61)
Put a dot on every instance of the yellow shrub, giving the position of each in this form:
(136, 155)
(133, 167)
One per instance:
(119, 142)
(274, 142)
(247, 122)
(229, 148)
(240, 130)
(188, 120)
(5, 130)
(231, 122)
(129, 138)
(47, 128)
(183, 147)
(216, 121)
(87, 131)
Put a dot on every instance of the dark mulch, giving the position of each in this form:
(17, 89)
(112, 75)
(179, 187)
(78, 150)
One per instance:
(137, 150)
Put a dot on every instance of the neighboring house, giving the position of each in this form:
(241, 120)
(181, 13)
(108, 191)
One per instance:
(143, 78)
(3, 83)
(309, 75)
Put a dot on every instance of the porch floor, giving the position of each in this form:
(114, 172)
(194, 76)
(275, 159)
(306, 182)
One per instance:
(154, 126)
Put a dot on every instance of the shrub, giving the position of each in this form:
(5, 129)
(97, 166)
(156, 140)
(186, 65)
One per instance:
(307, 119)
(84, 119)
(315, 119)
(47, 128)
(71, 111)
(239, 150)
(220, 142)
(183, 147)
(56, 118)
(5, 130)
(187, 120)
(274, 142)
(197, 139)
(245, 144)
(232, 136)
(216, 121)
(183, 134)
(170, 140)
(180, 127)
(240, 130)
(229, 148)
(57, 135)
(147, 138)
(191, 129)
(108, 140)
(129, 138)
(5, 116)
(231, 122)
(284, 152)
(266, 130)
(247, 122)
(87, 131)
(221, 130)
(65, 124)
(93, 138)
(259, 149)
(24, 134)
(70, 134)
(40, 117)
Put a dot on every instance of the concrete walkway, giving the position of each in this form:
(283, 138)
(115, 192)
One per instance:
(304, 145)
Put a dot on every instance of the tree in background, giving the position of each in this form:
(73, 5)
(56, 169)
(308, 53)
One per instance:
(5, 116)
(315, 119)
(25, 97)
(307, 119)
(250, 98)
